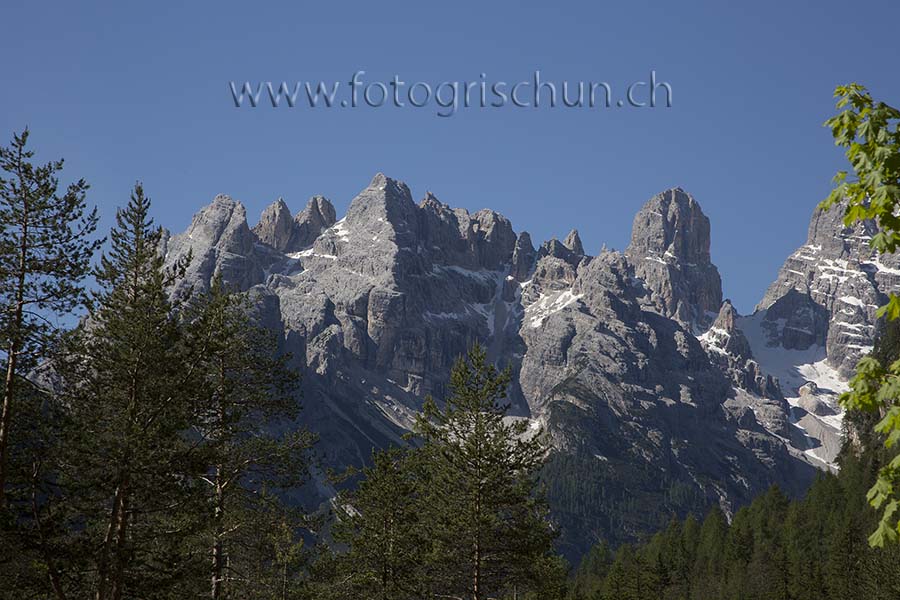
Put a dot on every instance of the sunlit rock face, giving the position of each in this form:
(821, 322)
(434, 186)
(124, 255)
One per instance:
(644, 380)
(670, 251)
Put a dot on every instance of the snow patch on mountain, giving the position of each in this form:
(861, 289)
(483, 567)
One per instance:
(810, 385)
(549, 304)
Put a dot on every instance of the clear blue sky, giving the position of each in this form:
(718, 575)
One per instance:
(128, 91)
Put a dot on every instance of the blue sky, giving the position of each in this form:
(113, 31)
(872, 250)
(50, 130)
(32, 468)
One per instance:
(128, 91)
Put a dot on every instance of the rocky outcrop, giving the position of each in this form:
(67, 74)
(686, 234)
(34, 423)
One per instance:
(816, 320)
(219, 241)
(318, 216)
(573, 243)
(827, 292)
(275, 227)
(630, 361)
(523, 258)
(729, 348)
(670, 251)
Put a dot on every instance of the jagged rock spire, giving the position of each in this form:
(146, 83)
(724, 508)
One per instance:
(670, 251)
(523, 257)
(318, 215)
(573, 243)
(275, 226)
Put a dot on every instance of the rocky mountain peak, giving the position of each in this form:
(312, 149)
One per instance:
(431, 202)
(384, 200)
(561, 250)
(725, 334)
(220, 241)
(573, 243)
(318, 208)
(671, 224)
(223, 222)
(275, 227)
(390, 191)
(827, 229)
(727, 317)
(669, 249)
(376, 306)
(523, 257)
(318, 216)
(828, 291)
(494, 239)
(729, 348)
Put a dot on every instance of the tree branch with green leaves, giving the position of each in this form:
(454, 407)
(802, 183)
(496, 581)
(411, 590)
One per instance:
(870, 132)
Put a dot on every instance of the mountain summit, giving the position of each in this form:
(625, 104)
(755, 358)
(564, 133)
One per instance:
(669, 249)
(658, 397)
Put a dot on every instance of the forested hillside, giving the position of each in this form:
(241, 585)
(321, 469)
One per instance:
(774, 549)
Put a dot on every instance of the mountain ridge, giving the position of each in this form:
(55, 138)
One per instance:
(631, 356)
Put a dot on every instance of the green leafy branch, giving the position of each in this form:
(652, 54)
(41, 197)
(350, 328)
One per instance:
(870, 132)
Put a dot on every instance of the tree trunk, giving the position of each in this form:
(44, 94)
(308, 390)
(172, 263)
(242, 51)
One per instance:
(121, 539)
(52, 571)
(13, 355)
(6, 418)
(111, 564)
(218, 552)
(110, 542)
(476, 575)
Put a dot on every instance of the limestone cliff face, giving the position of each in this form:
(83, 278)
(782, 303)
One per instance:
(670, 251)
(630, 357)
(827, 292)
(815, 322)
(275, 227)
(219, 241)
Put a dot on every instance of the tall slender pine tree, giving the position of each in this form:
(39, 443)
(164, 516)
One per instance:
(126, 384)
(489, 529)
(254, 450)
(45, 253)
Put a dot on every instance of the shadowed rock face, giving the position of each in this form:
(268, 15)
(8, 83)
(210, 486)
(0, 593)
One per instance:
(523, 258)
(631, 357)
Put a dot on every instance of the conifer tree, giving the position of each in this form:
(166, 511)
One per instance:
(380, 524)
(246, 398)
(588, 578)
(127, 469)
(45, 253)
(845, 549)
(708, 570)
(626, 577)
(457, 514)
(488, 529)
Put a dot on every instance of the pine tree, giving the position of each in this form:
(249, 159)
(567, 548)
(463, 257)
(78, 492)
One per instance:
(381, 525)
(456, 514)
(593, 569)
(488, 529)
(128, 471)
(267, 560)
(45, 253)
(30, 560)
(247, 395)
(708, 568)
(626, 578)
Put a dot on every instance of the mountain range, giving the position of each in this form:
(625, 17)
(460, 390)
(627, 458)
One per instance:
(658, 398)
